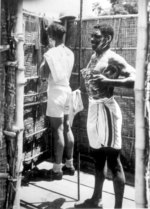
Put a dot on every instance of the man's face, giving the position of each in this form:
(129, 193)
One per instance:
(97, 40)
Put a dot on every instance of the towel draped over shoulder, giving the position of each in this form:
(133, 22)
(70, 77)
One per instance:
(60, 60)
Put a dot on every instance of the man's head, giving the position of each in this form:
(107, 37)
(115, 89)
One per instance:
(101, 37)
(56, 31)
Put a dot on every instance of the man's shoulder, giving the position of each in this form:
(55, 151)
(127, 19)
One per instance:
(114, 56)
(111, 53)
(69, 50)
(50, 51)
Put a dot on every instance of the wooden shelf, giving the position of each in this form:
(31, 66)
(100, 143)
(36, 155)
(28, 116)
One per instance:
(35, 133)
(34, 103)
(35, 94)
(32, 77)
(34, 156)
(4, 48)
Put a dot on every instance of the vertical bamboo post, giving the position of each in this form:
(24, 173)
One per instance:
(20, 81)
(65, 25)
(0, 25)
(0, 20)
(80, 52)
(140, 188)
(80, 38)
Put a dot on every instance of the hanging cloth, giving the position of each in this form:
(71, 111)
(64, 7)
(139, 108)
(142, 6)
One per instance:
(76, 105)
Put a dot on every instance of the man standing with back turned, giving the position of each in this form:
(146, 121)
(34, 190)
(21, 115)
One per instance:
(105, 70)
(57, 66)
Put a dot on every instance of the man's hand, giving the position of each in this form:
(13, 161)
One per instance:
(100, 78)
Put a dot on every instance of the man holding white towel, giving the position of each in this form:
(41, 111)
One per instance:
(105, 70)
(57, 66)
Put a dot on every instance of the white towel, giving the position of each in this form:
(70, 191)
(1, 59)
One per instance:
(60, 61)
(76, 105)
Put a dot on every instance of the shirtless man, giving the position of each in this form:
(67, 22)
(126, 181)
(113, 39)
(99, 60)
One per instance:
(105, 70)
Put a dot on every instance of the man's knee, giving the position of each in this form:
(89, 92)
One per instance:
(116, 169)
(66, 126)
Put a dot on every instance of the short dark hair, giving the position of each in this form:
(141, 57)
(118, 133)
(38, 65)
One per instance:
(105, 29)
(56, 30)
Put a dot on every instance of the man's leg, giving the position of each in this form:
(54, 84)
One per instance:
(57, 127)
(69, 147)
(69, 138)
(115, 166)
(100, 172)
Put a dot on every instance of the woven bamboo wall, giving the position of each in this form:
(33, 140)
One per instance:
(35, 96)
(3, 155)
(124, 43)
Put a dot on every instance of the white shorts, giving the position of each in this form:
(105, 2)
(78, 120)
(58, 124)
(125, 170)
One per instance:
(58, 101)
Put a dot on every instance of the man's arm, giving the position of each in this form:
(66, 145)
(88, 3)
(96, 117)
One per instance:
(126, 74)
(44, 69)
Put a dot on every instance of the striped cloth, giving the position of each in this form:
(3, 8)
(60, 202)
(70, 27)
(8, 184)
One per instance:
(104, 123)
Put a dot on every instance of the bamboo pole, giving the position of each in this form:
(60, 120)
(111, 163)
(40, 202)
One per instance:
(79, 74)
(65, 25)
(110, 17)
(0, 21)
(80, 38)
(4, 176)
(140, 181)
(0, 26)
(20, 80)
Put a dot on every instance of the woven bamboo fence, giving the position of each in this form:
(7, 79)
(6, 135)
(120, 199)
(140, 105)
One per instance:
(3, 152)
(35, 95)
(124, 43)
(36, 135)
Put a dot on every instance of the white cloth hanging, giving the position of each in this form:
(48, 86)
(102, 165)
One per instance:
(76, 105)
(60, 60)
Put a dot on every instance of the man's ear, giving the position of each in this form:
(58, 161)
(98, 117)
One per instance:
(109, 39)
